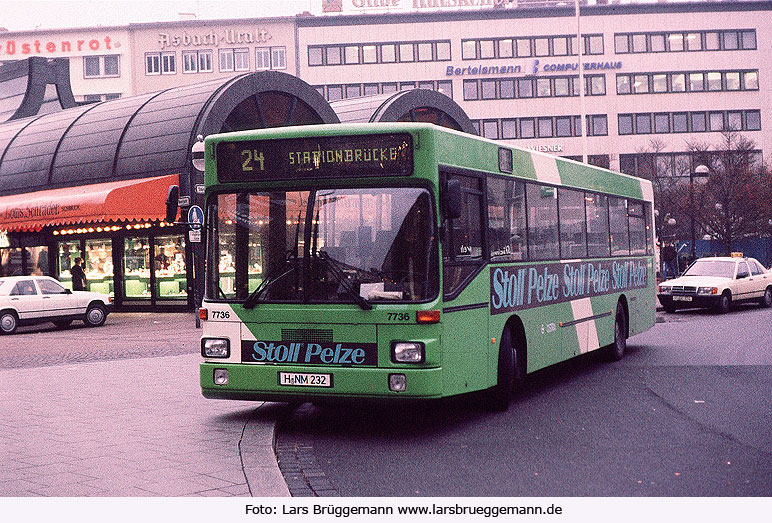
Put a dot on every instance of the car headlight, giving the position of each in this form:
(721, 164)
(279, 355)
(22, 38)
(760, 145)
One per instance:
(215, 348)
(707, 290)
(665, 289)
(407, 352)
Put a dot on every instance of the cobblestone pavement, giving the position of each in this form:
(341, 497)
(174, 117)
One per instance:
(136, 426)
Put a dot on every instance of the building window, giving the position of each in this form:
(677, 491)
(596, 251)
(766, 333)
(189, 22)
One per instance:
(545, 127)
(680, 123)
(509, 128)
(643, 123)
(488, 89)
(315, 56)
(490, 129)
(369, 54)
(388, 53)
(168, 63)
(753, 120)
(205, 61)
(716, 121)
(101, 66)
(275, 57)
(353, 91)
(334, 92)
(351, 54)
(468, 49)
(470, 90)
(625, 124)
(443, 51)
(226, 59)
(234, 59)
(599, 125)
(278, 58)
(189, 61)
(152, 63)
(527, 128)
(406, 53)
(661, 123)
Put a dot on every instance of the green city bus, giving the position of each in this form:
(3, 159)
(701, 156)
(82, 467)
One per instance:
(397, 261)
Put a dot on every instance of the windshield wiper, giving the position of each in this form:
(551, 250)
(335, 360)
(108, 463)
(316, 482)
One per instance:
(253, 298)
(337, 272)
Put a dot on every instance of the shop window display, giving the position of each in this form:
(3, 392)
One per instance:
(169, 266)
(136, 267)
(99, 266)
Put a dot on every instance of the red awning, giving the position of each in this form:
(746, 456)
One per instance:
(123, 201)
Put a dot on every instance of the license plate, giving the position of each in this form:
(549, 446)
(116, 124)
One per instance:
(304, 379)
(682, 298)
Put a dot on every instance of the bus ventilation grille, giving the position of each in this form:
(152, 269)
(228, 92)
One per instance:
(307, 335)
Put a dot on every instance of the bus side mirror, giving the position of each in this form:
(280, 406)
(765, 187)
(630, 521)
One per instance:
(454, 200)
(171, 203)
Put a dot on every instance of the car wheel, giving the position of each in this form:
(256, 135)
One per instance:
(766, 301)
(95, 315)
(8, 322)
(510, 375)
(62, 324)
(723, 303)
(616, 350)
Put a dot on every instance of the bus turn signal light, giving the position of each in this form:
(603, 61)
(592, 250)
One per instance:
(203, 314)
(427, 316)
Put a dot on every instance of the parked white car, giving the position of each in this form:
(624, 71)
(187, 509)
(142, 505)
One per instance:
(716, 283)
(26, 300)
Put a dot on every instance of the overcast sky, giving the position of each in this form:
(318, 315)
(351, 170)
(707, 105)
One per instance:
(18, 15)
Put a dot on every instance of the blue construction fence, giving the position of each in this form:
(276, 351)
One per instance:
(759, 248)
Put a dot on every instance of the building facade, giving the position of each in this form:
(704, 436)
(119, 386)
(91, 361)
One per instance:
(674, 74)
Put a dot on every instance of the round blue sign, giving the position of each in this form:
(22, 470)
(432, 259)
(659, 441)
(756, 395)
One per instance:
(195, 217)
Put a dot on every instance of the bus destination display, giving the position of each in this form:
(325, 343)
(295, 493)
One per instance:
(320, 156)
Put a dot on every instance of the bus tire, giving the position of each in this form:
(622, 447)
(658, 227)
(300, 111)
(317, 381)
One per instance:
(616, 350)
(510, 374)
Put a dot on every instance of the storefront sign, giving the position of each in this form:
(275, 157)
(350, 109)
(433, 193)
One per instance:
(39, 47)
(213, 39)
(556, 148)
(528, 67)
(424, 5)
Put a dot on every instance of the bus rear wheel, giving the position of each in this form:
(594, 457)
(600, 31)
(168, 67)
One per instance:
(616, 350)
(510, 375)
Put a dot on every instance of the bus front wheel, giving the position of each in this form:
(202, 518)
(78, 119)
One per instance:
(510, 374)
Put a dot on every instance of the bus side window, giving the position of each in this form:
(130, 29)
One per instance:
(462, 246)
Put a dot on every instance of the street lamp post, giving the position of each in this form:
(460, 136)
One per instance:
(700, 170)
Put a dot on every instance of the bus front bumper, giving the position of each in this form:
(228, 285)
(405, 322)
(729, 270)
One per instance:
(262, 382)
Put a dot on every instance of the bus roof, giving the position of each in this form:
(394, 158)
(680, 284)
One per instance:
(452, 149)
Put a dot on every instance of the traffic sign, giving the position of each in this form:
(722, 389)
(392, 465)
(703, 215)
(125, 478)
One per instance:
(195, 217)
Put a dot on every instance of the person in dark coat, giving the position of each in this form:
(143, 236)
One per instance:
(669, 256)
(78, 275)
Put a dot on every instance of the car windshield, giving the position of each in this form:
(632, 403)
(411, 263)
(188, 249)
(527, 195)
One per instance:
(323, 246)
(720, 268)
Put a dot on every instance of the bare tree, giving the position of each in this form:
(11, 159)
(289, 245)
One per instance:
(733, 202)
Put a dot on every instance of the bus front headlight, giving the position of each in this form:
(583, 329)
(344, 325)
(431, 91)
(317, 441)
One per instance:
(407, 352)
(215, 348)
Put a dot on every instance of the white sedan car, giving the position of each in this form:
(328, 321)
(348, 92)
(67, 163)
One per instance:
(26, 300)
(717, 283)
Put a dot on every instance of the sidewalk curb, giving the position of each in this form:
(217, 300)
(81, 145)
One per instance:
(257, 455)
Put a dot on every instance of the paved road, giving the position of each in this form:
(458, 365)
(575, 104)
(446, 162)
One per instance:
(117, 411)
(686, 413)
(124, 335)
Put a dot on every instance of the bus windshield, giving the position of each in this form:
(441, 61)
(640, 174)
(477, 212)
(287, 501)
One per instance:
(323, 246)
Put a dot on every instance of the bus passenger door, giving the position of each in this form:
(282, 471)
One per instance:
(465, 288)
